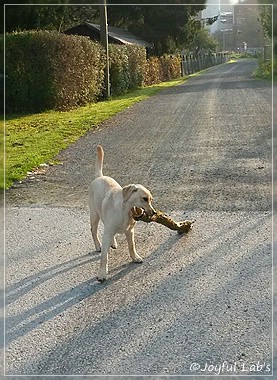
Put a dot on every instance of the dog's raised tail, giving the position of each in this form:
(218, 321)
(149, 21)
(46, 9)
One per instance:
(99, 162)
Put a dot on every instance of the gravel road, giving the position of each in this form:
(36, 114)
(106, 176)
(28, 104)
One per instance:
(200, 304)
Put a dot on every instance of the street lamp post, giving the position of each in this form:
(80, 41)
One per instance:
(105, 43)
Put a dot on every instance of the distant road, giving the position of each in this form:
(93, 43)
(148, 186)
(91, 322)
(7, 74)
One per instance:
(205, 144)
(204, 150)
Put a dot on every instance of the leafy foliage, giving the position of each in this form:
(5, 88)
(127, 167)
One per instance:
(127, 65)
(152, 71)
(29, 16)
(58, 71)
(61, 72)
(266, 17)
(202, 41)
(55, 71)
(168, 27)
(119, 69)
(162, 69)
(137, 62)
(170, 67)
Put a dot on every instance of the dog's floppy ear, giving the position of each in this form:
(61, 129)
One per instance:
(127, 191)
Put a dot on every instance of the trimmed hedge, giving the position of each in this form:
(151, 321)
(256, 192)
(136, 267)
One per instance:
(50, 70)
(162, 69)
(152, 74)
(126, 67)
(137, 63)
(171, 67)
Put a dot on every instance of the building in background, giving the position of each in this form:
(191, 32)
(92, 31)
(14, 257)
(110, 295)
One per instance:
(226, 28)
(248, 31)
(238, 27)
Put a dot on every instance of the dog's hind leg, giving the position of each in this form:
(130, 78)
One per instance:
(130, 235)
(94, 221)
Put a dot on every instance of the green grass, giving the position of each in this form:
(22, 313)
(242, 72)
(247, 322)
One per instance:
(31, 140)
(263, 71)
(233, 60)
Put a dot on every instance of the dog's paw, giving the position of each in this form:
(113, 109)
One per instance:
(114, 244)
(102, 275)
(137, 259)
(101, 279)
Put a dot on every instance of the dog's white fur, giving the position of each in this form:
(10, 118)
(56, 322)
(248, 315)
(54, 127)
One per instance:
(113, 204)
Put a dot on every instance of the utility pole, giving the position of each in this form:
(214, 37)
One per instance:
(105, 43)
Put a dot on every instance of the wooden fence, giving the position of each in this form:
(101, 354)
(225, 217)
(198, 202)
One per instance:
(192, 63)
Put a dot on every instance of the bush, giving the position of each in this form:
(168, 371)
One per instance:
(264, 69)
(126, 67)
(162, 69)
(54, 70)
(50, 70)
(170, 67)
(152, 73)
(137, 62)
(119, 69)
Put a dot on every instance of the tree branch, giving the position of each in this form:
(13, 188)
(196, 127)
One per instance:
(181, 227)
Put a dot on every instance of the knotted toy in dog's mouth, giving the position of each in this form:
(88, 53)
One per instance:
(139, 214)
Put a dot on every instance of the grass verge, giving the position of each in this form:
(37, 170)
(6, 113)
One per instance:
(264, 69)
(31, 140)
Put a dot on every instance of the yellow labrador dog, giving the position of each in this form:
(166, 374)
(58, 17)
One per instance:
(113, 204)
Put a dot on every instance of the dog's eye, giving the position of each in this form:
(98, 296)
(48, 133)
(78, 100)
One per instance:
(145, 199)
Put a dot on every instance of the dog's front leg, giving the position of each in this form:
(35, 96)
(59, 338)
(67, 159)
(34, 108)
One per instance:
(130, 235)
(107, 242)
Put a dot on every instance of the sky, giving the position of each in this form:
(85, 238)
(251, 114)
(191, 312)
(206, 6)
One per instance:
(221, 1)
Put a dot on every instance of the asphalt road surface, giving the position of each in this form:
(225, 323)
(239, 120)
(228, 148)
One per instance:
(200, 304)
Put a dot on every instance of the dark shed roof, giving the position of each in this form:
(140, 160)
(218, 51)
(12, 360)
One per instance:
(115, 35)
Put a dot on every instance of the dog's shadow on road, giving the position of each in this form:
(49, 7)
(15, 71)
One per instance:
(22, 323)
(19, 289)
(156, 256)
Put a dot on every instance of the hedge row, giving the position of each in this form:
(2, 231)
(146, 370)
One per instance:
(127, 65)
(162, 69)
(50, 70)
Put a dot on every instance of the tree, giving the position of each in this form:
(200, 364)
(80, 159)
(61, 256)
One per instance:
(203, 41)
(54, 15)
(266, 17)
(266, 20)
(168, 27)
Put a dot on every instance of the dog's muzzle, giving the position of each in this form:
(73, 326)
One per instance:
(150, 213)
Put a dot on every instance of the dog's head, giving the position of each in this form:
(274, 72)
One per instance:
(139, 196)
